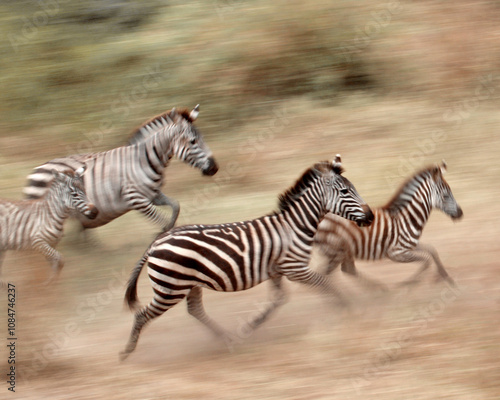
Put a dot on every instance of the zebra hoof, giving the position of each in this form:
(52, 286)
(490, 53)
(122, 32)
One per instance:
(408, 283)
(448, 279)
(123, 355)
(50, 280)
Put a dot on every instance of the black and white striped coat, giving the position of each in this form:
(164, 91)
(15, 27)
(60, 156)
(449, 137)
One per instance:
(241, 255)
(396, 228)
(38, 224)
(130, 177)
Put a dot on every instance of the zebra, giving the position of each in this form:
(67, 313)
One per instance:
(130, 177)
(396, 228)
(38, 224)
(238, 256)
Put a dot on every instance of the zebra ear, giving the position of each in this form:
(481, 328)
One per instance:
(56, 174)
(337, 164)
(79, 172)
(443, 167)
(193, 115)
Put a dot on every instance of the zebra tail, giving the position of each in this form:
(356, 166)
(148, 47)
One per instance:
(131, 292)
(34, 189)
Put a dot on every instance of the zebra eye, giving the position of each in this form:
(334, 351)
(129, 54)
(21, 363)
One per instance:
(344, 191)
(192, 141)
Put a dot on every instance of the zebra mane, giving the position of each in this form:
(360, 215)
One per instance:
(293, 193)
(157, 123)
(408, 188)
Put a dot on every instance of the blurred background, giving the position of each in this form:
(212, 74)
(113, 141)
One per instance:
(391, 86)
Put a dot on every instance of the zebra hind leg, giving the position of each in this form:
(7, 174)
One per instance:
(196, 309)
(141, 319)
(318, 281)
(349, 267)
(154, 309)
(415, 255)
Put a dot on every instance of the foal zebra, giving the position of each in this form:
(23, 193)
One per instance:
(396, 228)
(38, 224)
(130, 177)
(238, 256)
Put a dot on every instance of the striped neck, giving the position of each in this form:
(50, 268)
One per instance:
(159, 148)
(57, 200)
(305, 213)
(413, 203)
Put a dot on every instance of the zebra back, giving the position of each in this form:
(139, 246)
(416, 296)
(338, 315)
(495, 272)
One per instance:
(160, 122)
(191, 149)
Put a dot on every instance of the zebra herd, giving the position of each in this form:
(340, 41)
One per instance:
(321, 209)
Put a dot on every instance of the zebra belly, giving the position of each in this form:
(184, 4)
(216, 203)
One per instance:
(106, 191)
(372, 243)
(207, 258)
(103, 218)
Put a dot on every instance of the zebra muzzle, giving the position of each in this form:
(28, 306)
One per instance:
(367, 221)
(458, 215)
(92, 211)
(211, 169)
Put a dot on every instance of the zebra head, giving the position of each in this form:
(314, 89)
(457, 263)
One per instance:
(343, 198)
(189, 145)
(73, 192)
(441, 196)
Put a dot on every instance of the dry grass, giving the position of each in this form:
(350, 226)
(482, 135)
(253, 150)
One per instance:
(268, 116)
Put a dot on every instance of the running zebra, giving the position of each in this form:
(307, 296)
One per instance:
(238, 256)
(130, 177)
(38, 224)
(396, 228)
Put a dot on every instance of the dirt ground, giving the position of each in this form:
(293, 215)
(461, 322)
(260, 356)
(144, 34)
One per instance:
(428, 342)
(432, 341)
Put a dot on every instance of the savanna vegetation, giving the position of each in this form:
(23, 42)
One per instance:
(392, 86)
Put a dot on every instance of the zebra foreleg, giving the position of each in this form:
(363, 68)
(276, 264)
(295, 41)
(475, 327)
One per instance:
(162, 200)
(316, 280)
(335, 252)
(90, 238)
(439, 265)
(155, 214)
(409, 256)
(196, 309)
(333, 260)
(278, 298)
(53, 256)
(349, 267)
